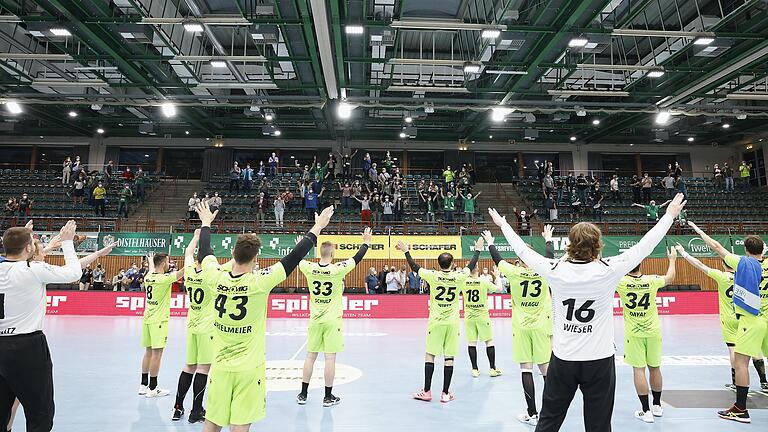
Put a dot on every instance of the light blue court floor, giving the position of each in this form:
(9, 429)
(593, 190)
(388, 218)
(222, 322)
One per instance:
(97, 371)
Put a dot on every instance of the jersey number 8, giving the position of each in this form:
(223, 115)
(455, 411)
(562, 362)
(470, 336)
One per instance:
(327, 288)
(221, 306)
(149, 292)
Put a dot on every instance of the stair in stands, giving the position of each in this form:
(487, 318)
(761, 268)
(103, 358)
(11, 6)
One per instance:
(166, 206)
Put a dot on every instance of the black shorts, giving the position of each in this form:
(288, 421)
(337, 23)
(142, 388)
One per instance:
(26, 374)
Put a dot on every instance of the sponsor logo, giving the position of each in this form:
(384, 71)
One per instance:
(55, 300)
(274, 243)
(178, 301)
(433, 247)
(662, 302)
(301, 304)
(356, 246)
(697, 247)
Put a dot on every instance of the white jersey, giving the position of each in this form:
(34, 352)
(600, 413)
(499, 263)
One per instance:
(22, 290)
(582, 294)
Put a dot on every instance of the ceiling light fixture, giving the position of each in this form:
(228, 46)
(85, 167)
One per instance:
(344, 110)
(726, 126)
(186, 132)
(269, 117)
(498, 113)
(599, 93)
(409, 119)
(99, 131)
(402, 135)
(490, 33)
(596, 122)
(193, 27)
(73, 114)
(13, 107)
(573, 138)
(490, 136)
(472, 68)
(169, 109)
(656, 73)
(505, 72)
(690, 139)
(354, 29)
(747, 96)
(218, 63)
(58, 31)
(578, 42)
(704, 40)
(278, 133)
(663, 117)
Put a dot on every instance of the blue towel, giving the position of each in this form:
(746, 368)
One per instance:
(746, 289)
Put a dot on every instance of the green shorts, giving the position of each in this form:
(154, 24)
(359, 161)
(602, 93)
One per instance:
(752, 336)
(325, 337)
(236, 398)
(443, 339)
(478, 329)
(154, 335)
(729, 328)
(531, 345)
(640, 352)
(200, 350)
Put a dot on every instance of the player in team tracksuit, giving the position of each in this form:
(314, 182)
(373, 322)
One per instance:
(642, 333)
(324, 335)
(531, 320)
(237, 382)
(444, 322)
(729, 322)
(477, 321)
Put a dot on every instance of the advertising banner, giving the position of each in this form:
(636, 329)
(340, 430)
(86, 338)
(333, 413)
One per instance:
(272, 245)
(355, 306)
(90, 244)
(427, 247)
(135, 244)
(348, 245)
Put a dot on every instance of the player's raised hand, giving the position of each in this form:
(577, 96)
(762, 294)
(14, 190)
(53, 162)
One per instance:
(367, 236)
(479, 244)
(324, 218)
(676, 206)
(498, 219)
(549, 230)
(694, 227)
(54, 243)
(106, 250)
(30, 225)
(672, 253)
(67, 232)
(488, 237)
(679, 248)
(196, 235)
(204, 213)
(403, 247)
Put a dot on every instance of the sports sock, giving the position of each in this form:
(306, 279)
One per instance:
(644, 402)
(185, 381)
(760, 368)
(473, 356)
(198, 390)
(741, 397)
(304, 388)
(733, 376)
(447, 375)
(152, 383)
(145, 379)
(429, 369)
(328, 391)
(491, 351)
(529, 390)
(656, 397)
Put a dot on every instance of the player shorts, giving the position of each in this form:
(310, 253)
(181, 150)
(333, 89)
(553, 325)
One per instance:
(479, 329)
(443, 339)
(729, 328)
(752, 336)
(640, 352)
(531, 345)
(325, 337)
(154, 335)
(200, 350)
(236, 398)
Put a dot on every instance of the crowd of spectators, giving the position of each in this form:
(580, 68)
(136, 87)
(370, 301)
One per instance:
(92, 187)
(131, 279)
(393, 280)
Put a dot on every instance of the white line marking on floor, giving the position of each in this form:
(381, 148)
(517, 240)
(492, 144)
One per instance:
(301, 348)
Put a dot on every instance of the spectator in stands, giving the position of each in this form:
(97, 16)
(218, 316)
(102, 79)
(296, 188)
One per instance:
(11, 207)
(261, 173)
(78, 191)
(523, 220)
(469, 206)
(615, 191)
(141, 178)
(668, 183)
(287, 197)
(402, 280)
(117, 281)
(100, 199)
(123, 198)
(382, 277)
(570, 182)
(346, 195)
(261, 204)
(582, 185)
(109, 170)
(371, 281)
(305, 175)
(279, 210)
(647, 184)
(376, 208)
(744, 173)
(388, 209)
(214, 202)
(448, 176)
(728, 175)
(66, 170)
(651, 210)
(680, 186)
(137, 281)
(24, 208)
(310, 202)
(319, 174)
(247, 174)
(485, 275)
(393, 282)
(548, 185)
(98, 277)
(678, 170)
(192, 206)
(273, 162)
(76, 167)
(449, 205)
(596, 199)
(550, 206)
(264, 188)
(414, 282)
(365, 208)
(332, 165)
(636, 187)
(234, 177)
(128, 176)
(541, 171)
(429, 202)
(717, 177)
(86, 278)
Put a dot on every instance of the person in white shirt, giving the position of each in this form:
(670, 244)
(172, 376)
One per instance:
(26, 370)
(583, 287)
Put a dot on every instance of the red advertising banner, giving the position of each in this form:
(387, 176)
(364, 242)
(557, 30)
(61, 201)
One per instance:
(355, 306)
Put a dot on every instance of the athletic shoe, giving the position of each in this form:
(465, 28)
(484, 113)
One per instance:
(475, 373)
(657, 410)
(735, 414)
(446, 397)
(331, 400)
(178, 413)
(646, 416)
(143, 389)
(494, 373)
(422, 395)
(731, 387)
(157, 392)
(529, 420)
(301, 399)
(196, 416)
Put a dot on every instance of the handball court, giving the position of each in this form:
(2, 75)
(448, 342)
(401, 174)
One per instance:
(97, 359)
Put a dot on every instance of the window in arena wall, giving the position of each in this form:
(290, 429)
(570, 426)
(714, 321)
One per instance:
(53, 157)
(496, 166)
(624, 164)
(135, 157)
(656, 165)
(184, 163)
(425, 160)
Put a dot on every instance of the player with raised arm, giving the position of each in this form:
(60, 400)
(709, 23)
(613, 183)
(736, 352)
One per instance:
(477, 320)
(324, 335)
(729, 323)
(26, 369)
(642, 333)
(531, 320)
(750, 299)
(444, 322)
(583, 288)
(237, 382)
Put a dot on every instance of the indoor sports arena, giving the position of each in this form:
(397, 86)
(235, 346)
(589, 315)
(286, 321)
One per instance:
(380, 215)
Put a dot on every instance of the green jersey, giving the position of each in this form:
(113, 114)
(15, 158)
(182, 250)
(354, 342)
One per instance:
(475, 292)
(531, 301)
(240, 315)
(638, 299)
(444, 287)
(469, 205)
(430, 206)
(652, 211)
(733, 262)
(326, 286)
(724, 282)
(449, 203)
(200, 314)
(158, 291)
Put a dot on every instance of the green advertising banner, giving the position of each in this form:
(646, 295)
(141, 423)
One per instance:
(273, 246)
(135, 244)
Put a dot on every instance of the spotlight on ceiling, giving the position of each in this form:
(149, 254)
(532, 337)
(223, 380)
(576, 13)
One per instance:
(472, 68)
(655, 73)
(726, 126)
(409, 119)
(662, 118)
(354, 29)
(498, 114)
(193, 27)
(278, 133)
(690, 139)
(344, 110)
(58, 31)
(490, 33)
(99, 131)
(269, 117)
(596, 122)
(169, 109)
(573, 138)
(218, 63)
(73, 114)
(578, 42)
(402, 135)
(703, 40)
(186, 132)
(13, 107)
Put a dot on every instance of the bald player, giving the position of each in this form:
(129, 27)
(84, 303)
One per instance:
(325, 281)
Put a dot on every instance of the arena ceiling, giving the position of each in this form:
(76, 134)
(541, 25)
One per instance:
(579, 71)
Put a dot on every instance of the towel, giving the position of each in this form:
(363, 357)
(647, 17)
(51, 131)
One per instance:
(746, 289)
